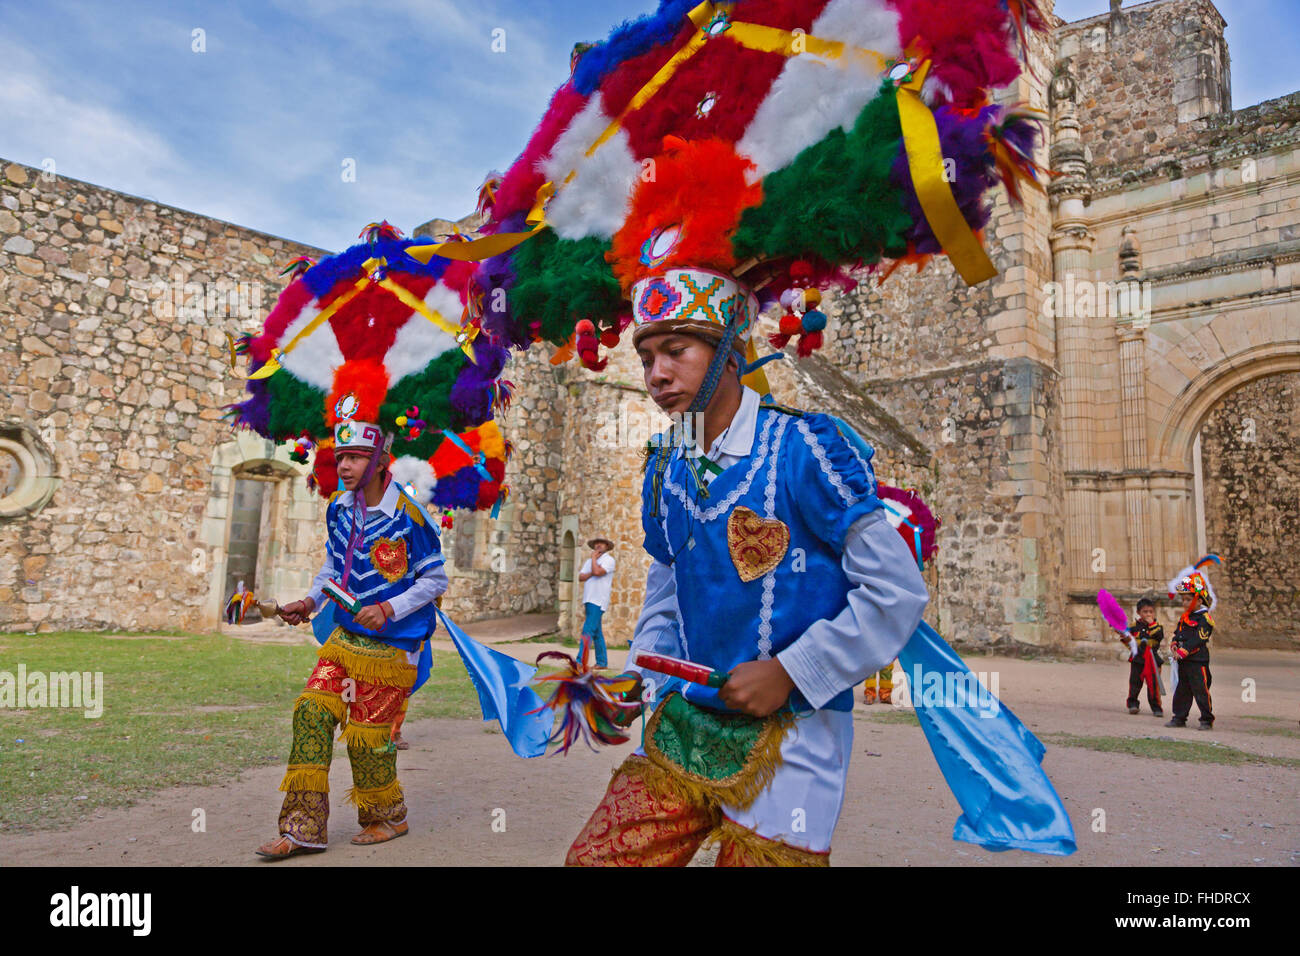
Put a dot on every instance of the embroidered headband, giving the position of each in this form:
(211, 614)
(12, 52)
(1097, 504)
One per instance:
(693, 299)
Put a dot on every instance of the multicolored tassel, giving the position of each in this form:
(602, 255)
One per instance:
(1010, 141)
(588, 703)
(297, 266)
(375, 231)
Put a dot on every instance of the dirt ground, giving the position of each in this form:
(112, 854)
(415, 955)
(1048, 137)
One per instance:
(460, 776)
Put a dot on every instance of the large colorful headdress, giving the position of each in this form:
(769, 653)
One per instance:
(1194, 581)
(372, 348)
(711, 151)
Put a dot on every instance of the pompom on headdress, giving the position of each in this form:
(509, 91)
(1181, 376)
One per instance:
(372, 348)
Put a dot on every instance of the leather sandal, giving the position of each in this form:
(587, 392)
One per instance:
(281, 848)
(381, 832)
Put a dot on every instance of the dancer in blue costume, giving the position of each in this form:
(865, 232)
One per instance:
(773, 563)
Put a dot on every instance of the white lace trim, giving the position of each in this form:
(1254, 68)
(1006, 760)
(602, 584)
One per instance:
(769, 579)
(832, 476)
(724, 506)
(866, 468)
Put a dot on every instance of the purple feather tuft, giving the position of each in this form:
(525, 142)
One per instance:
(458, 490)
(254, 413)
(495, 276)
(961, 138)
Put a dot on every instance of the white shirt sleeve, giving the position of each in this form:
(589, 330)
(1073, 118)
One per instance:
(429, 583)
(607, 562)
(884, 609)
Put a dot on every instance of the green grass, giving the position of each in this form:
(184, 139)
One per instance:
(151, 734)
(1177, 750)
(1275, 726)
(564, 640)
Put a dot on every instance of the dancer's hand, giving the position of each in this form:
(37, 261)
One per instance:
(298, 611)
(757, 688)
(373, 617)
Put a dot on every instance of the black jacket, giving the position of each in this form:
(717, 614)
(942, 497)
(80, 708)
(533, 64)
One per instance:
(1195, 637)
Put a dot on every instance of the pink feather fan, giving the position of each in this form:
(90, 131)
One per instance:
(1112, 611)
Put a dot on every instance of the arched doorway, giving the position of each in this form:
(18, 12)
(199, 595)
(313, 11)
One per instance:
(262, 524)
(569, 591)
(1248, 498)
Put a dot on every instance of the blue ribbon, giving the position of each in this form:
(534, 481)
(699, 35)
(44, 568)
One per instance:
(989, 759)
(475, 457)
(505, 692)
(747, 367)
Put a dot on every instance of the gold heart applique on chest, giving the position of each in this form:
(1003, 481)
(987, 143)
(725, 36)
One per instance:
(389, 557)
(757, 545)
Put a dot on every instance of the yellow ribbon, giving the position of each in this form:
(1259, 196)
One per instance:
(700, 16)
(272, 366)
(757, 379)
(755, 36)
(476, 250)
(464, 338)
(925, 160)
(409, 299)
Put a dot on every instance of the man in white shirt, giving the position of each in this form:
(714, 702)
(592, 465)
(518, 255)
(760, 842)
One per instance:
(597, 577)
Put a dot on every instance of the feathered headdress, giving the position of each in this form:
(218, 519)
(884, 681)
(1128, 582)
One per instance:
(712, 153)
(1194, 581)
(372, 335)
(711, 149)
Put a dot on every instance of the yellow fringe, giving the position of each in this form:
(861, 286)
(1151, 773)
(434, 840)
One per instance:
(333, 703)
(740, 790)
(760, 851)
(306, 777)
(377, 799)
(391, 670)
(367, 735)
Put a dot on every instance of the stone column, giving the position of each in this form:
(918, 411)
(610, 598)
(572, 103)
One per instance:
(1131, 328)
(1072, 243)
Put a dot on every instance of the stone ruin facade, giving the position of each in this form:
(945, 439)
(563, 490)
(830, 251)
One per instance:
(1123, 397)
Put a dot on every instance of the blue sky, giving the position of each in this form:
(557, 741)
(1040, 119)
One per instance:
(256, 129)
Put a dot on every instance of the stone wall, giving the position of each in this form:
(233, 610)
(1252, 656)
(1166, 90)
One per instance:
(1146, 70)
(608, 418)
(1252, 511)
(514, 557)
(114, 312)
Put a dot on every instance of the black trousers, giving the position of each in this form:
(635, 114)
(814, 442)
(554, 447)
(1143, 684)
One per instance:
(1135, 686)
(1193, 681)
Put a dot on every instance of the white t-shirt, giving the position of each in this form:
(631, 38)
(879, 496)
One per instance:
(595, 590)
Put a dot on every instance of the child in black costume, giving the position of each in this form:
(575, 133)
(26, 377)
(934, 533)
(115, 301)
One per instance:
(1191, 644)
(1144, 665)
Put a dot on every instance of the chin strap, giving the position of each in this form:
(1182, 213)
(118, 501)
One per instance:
(714, 374)
(359, 510)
